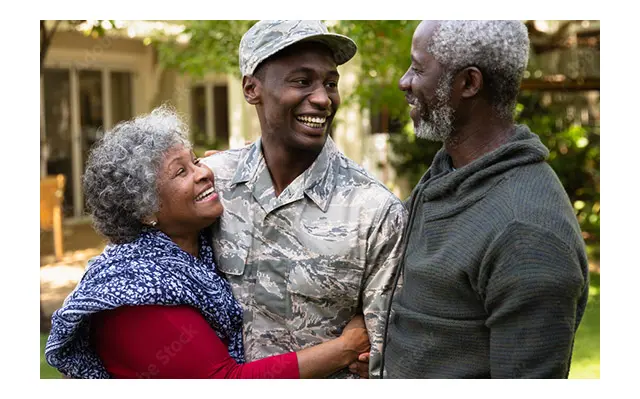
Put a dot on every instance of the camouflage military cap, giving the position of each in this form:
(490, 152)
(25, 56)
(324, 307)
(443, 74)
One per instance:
(266, 38)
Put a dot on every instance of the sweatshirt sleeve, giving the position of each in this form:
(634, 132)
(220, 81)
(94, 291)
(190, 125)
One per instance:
(533, 285)
(174, 342)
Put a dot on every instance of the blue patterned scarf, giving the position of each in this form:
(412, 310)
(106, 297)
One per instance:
(152, 270)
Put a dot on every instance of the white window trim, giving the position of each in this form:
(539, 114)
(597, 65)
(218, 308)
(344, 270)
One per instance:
(76, 143)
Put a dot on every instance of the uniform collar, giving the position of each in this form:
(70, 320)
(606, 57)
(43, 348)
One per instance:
(319, 179)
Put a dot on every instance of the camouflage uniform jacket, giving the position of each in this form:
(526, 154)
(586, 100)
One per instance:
(304, 263)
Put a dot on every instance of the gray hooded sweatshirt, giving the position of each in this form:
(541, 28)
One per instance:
(495, 273)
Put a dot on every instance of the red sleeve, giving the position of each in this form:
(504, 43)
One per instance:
(174, 342)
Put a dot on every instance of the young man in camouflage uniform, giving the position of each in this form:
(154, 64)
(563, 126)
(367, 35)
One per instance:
(308, 239)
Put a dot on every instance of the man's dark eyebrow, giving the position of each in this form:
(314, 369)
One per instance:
(300, 70)
(310, 71)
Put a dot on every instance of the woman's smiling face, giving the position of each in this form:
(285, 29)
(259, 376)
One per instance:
(188, 202)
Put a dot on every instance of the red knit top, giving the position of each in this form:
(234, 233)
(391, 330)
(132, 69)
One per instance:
(173, 342)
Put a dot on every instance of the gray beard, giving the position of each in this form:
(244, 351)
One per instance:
(437, 126)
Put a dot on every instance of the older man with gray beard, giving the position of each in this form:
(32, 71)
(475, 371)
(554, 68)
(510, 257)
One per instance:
(495, 269)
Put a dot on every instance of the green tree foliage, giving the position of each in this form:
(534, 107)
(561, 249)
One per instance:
(212, 47)
(384, 49)
(574, 148)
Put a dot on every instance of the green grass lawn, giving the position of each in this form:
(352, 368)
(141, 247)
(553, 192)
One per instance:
(586, 351)
(46, 371)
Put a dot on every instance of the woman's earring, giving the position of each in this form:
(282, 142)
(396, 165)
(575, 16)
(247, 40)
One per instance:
(153, 223)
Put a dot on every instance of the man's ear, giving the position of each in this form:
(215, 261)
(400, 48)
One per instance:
(252, 88)
(471, 83)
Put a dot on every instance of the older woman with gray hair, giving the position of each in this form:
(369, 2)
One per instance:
(152, 305)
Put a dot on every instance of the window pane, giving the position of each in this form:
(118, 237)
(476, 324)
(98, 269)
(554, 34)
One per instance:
(91, 117)
(121, 100)
(57, 104)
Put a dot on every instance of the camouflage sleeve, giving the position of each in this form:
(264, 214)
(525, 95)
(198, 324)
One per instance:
(384, 250)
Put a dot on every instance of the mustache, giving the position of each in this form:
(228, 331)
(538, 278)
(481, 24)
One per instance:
(412, 100)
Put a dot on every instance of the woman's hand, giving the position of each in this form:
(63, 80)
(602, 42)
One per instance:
(357, 326)
(356, 340)
(325, 359)
(355, 336)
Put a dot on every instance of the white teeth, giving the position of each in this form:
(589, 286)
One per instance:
(204, 194)
(312, 119)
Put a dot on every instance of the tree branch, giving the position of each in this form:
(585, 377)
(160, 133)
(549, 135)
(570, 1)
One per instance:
(45, 40)
(543, 42)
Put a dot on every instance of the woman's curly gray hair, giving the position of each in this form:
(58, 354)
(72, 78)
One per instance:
(500, 49)
(120, 179)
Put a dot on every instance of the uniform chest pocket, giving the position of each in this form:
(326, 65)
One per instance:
(230, 250)
(231, 264)
(325, 277)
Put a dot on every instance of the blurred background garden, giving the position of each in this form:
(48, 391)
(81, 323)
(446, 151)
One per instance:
(95, 73)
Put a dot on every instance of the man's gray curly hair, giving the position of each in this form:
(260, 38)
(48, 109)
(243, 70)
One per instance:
(500, 49)
(120, 179)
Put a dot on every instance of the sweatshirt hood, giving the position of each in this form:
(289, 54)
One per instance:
(466, 185)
